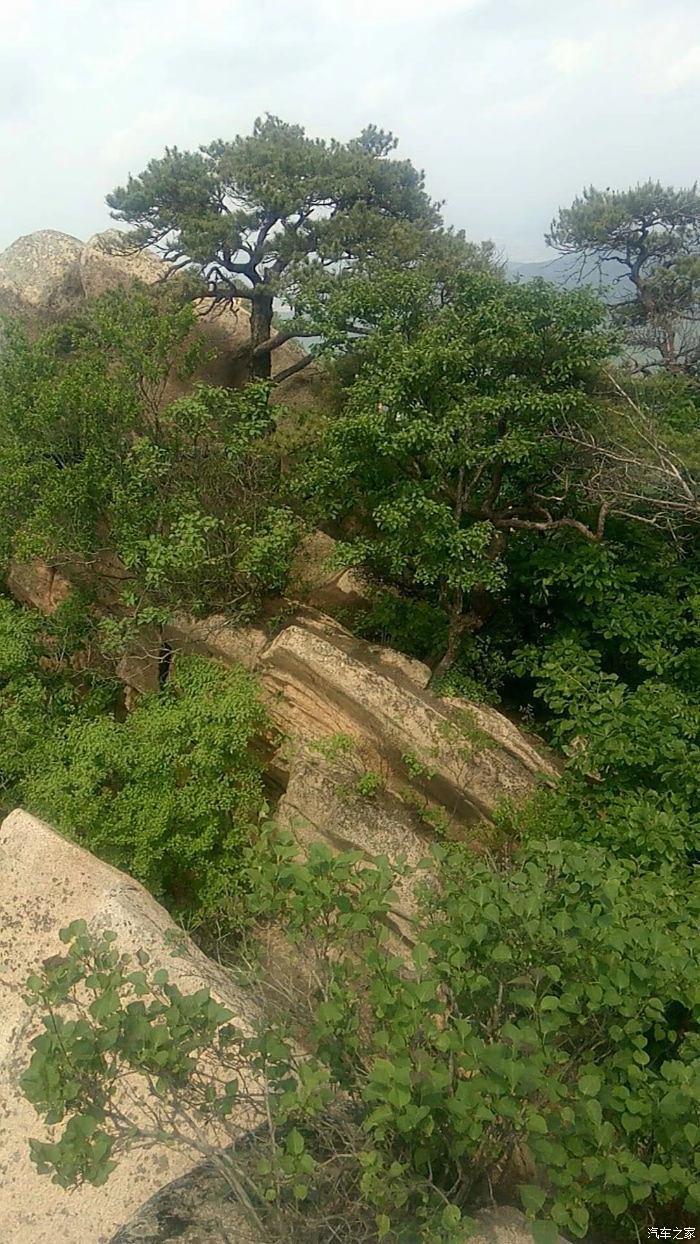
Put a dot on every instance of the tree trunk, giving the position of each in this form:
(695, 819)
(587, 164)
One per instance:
(260, 331)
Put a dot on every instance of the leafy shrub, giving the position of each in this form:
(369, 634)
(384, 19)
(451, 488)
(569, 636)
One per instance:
(551, 1024)
(40, 691)
(92, 458)
(547, 1030)
(172, 793)
(412, 626)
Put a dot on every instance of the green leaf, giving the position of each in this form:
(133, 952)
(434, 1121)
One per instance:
(544, 1232)
(590, 1084)
(532, 1197)
(294, 1142)
(616, 1203)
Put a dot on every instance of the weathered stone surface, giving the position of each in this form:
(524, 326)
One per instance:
(216, 636)
(322, 681)
(196, 1209)
(322, 803)
(48, 275)
(40, 276)
(107, 262)
(45, 883)
(504, 1225)
(314, 580)
(38, 584)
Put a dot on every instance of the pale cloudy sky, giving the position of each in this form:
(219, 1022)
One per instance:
(510, 106)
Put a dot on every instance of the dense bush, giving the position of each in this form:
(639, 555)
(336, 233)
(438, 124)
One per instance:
(604, 645)
(171, 794)
(444, 442)
(41, 692)
(95, 462)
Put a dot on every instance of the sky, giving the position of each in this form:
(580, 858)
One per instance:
(510, 106)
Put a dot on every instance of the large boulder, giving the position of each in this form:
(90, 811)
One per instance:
(108, 262)
(314, 579)
(460, 758)
(463, 758)
(453, 760)
(47, 276)
(40, 277)
(38, 584)
(45, 883)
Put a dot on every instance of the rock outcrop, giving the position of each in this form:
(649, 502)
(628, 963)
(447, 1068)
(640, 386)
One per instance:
(47, 276)
(461, 758)
(194, 1209)
(454, 761)
(45, 883)
(40, 277)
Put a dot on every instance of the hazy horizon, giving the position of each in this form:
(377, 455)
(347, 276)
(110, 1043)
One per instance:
(510, 106)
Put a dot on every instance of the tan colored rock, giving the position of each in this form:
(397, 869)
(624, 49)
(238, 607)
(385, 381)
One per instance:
(216, 636)
(108, 262)
(408, 667)
(322, 803)
(47, 275)
(45, 883)
(314, 580)
(40, 276)
(38, 584)
(321, 683)
(196, 1209)
(504, 1225)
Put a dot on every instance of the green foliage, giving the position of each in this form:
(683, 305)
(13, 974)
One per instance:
(114, 1028)
(612, 652)
(552, 1011)
(413, 626)
(446, 430)
(652, 232)
(549, 1016)
(40, 692)
(172, 794)
(91, 459)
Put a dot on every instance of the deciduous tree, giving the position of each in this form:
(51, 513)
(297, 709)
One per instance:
(445, 446)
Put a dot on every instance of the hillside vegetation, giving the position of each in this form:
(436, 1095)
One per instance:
(519, 497)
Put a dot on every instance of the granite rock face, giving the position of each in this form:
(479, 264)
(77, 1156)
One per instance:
(48, 276)
(40, 277)
(45, 883)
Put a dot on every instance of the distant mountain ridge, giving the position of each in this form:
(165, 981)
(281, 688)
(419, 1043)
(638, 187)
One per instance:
(569, 272)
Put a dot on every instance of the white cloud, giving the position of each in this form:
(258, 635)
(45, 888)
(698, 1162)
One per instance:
(684, 70)
(383, 12)
(571, 56)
